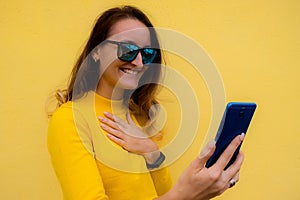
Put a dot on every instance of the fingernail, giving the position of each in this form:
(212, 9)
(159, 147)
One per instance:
(242, 136)
(101, 118)
(208, 148)
(107, 113)
(211, 144)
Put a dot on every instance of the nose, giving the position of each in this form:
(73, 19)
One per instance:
(138, 61)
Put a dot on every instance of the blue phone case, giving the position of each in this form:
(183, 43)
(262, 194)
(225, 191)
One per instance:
(236, 120)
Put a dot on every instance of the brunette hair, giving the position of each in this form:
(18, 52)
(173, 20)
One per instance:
(86, 73)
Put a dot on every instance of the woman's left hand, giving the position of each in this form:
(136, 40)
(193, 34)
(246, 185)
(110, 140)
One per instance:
(129, 136)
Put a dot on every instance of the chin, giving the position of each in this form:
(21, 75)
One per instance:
(128, 86)
(129, 82)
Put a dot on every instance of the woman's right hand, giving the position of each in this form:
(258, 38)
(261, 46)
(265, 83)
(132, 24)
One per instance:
(200, 183)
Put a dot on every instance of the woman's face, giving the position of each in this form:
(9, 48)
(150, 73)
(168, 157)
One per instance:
(116, 74)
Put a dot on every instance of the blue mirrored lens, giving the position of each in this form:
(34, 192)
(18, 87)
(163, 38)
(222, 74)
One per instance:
(127, 52)
(148, 55)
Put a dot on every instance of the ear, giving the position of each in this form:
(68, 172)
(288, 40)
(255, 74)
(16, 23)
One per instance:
(96, 54)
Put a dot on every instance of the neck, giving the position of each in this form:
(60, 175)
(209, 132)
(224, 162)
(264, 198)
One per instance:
(113, 93)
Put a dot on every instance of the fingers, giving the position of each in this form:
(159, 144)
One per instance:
(232, 172)
(117, 140)
(113, 121)
(229, 151)
(109, 116)
(119, 127)
(232, 182)
(205, 154)
(126, 126)
(113, 131)
(108, 122)
(116, 119)
(234, 169)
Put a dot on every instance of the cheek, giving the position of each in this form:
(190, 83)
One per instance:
(109, 66)
(107, 57)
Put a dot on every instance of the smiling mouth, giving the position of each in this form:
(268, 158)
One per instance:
(129, 71)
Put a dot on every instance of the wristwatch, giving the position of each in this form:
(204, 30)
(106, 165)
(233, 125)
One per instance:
(158, 162)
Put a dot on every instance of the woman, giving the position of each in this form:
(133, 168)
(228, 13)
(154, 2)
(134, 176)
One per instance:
(118, 69)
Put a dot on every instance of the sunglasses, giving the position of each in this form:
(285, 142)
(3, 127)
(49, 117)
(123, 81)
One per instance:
(127, 52)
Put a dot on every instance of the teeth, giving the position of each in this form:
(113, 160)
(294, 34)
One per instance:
(128, 71)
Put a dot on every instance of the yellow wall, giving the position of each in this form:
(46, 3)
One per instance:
(255, 44)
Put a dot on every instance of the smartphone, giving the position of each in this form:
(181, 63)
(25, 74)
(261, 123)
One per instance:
(235, 121)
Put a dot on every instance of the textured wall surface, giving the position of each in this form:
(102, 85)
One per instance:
(255, 45)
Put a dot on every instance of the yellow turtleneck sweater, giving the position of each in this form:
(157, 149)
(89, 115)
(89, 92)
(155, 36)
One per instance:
(91, 167)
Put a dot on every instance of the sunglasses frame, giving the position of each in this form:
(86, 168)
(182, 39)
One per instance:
(139, 49)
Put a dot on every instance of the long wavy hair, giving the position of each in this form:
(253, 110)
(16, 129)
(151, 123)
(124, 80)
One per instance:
(86, 73)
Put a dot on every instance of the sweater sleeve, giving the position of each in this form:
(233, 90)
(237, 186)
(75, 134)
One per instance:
(162, 180)
(75, 166)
